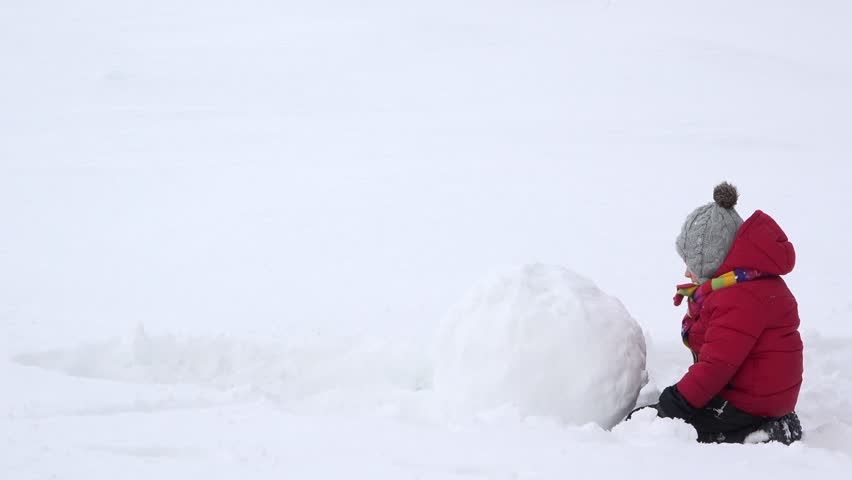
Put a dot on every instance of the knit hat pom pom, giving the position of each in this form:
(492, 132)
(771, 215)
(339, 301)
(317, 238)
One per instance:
(725, 195)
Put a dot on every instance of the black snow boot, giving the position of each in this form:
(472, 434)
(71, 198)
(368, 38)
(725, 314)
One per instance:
(786, 430)
(721, 422)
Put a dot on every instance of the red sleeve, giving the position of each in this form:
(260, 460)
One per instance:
(732, 331)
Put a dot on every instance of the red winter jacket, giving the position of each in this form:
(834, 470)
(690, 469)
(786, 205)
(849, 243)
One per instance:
(746, 336)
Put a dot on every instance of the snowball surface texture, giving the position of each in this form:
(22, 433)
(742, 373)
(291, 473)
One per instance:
(544, 340)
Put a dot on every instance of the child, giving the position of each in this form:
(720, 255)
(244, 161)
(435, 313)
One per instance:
(741, 326)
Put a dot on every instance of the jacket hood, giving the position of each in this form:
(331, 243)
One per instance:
(760, 244)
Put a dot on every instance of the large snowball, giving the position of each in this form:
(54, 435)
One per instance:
(543, 340)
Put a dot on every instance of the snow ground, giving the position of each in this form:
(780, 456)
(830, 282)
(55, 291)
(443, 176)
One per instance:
(219, 407)
(288, 196)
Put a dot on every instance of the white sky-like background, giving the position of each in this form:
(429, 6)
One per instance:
(274, 170)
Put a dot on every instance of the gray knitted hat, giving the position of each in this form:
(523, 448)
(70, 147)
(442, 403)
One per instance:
(709, 231)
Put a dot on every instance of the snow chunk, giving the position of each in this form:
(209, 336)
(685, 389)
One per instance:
(545, 340)
(645, 428)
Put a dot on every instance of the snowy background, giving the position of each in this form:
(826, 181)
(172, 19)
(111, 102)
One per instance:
(231, 229)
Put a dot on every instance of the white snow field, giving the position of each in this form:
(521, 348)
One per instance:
(230, 231)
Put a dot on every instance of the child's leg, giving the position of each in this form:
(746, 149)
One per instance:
(721, 422)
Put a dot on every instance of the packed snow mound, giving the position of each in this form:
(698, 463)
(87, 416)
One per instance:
(544, 340)
(308, 374)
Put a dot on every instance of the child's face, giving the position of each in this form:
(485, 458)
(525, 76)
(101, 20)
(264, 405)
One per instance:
(691, 276)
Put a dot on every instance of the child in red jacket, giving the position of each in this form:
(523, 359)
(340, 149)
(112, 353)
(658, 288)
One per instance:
(741, 327)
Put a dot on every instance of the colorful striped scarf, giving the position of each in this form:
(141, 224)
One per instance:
(696, 294)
